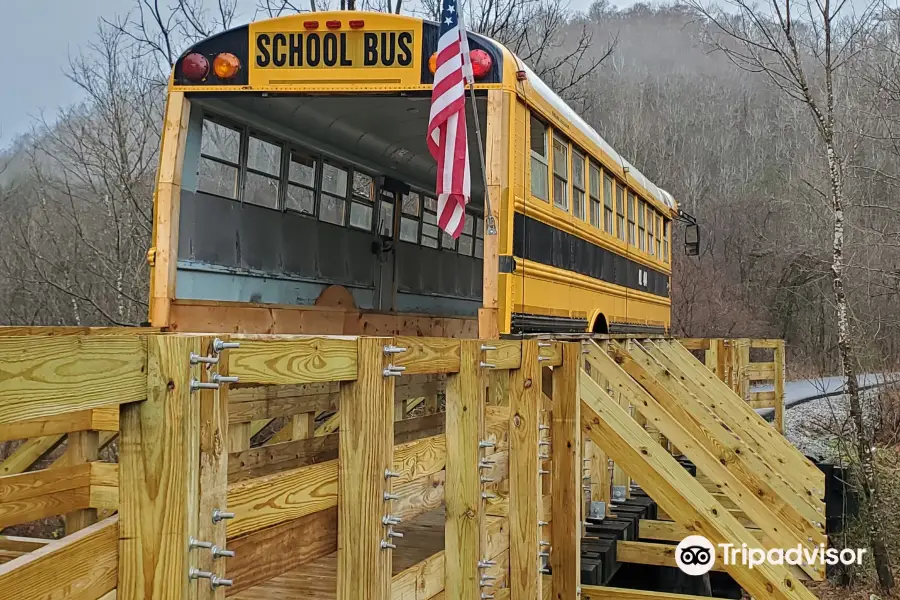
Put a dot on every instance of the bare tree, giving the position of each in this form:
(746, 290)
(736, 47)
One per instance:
(806, 48)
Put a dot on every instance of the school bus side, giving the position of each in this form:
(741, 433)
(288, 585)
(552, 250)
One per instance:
(566, 192)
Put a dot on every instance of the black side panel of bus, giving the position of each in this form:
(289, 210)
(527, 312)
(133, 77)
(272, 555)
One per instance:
(539, 242)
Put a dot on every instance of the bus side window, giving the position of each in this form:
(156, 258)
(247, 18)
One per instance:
(620, 209)
(659, 234)
(386, 214)
(220, 149)
(429, 223)
(409, 219)
(560, 173)
(641, 226)
(651, 231)
(301, 189)
(595, 195)
(631, 213)
(263, 173)
(578, 183)
(607, 206)
(667, 228)
(361, 201)
(539, 159)
(333, 200)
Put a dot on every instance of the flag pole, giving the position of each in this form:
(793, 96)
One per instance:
(469, 76)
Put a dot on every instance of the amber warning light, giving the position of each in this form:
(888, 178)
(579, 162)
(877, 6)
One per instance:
(226, 65)
(481, 63)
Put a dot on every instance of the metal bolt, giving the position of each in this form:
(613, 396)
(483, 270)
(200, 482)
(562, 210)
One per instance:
(544, 344)
(388, 474)
(215, 582)
(487, 496)
(544, 554)
(486, 564)
(486, 596)
(485, 347)
(391, 349)
(543, 472)
(388, 496)
(487, 480)
(545, 571)
(394, 534)
(543, 358)
(486, 581)
(195, 543)
(544, 456)
(390, 520)
(203, 385)
(221, 515)
(485, 365)
(486, 464)
(586, 478)
(389, 373)
(198, 574)
(224, 378)
(543, 543)
(222, 552)
(543, 443)
(219, 345)
(209, 360)
(543, 523)
(547, 428)
(486, 444)
(386, 544)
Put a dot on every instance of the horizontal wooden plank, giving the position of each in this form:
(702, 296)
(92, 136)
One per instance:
(756, 403)
(421, 581)
(594, 592)
(427, 355)
(99, 419)
(507, 354)
(269, 552)
(46, 481)
(760, 371)
(670, 531)
(81, 566)
(45, 376)
(13, 331)
(763, 396)
(418, 496)
(17, 543)
(266, 460)
(294, 360)
(550, 353)
(695, 343)
(647, 553)
(766, 343)
(29, 452)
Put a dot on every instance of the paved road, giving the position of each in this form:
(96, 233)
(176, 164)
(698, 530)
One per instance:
(804, 390)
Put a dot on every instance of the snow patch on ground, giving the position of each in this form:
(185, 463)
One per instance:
(816, 427)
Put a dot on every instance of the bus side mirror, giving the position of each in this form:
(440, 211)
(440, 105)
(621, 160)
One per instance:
(692, 240)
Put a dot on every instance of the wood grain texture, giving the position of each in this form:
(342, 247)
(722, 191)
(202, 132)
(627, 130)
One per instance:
(73, 577)
(676, 492)
(298, 360)
(366, 451)
(524, 483)
(593, 592)
(46, 376)
(106, 419)
(29, 452)
(250, 403)
(464, 505)
(158, 458)
(565, 471)
(82, 447)
(427, 355)
(647, 553)
(269, 552)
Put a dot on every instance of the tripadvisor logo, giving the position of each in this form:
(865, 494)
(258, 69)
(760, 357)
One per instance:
(696, 555)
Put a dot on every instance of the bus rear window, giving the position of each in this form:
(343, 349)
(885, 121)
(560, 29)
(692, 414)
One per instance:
(219, 167)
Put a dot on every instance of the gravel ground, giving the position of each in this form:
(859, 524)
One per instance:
(815, 426)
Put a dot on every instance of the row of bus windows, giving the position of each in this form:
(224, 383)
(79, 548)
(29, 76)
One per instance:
(281, 177)
(592, 200)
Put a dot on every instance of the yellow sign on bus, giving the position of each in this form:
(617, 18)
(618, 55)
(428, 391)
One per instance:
(342, 49)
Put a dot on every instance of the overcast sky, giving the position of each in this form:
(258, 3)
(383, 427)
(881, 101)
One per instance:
(38, 36)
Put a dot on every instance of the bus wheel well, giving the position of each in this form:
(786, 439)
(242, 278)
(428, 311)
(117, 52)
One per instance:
(600, 325)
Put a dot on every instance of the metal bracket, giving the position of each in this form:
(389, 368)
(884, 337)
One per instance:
(618, 493)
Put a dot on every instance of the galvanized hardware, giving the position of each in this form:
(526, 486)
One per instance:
(586, 488)
(487, 480)
(819, 525)
(545, 571)
(393, 370)
(585, 350)
(544, 554)
(486, 444)
(216, 582)
(485, 347)
(394, 534)
(487, 596)
(219, 345)
(543, 443)
(486, 580)
(544, 344)
(485, 365)
(618, 493)
(487, 496)
(543, 543)
(195, 543)
(597, 509)
(543, 358)
(486, 464)
(209, 360)
(224, 378)
(391, 349)
(203, 385)
(194, 573)
(388, 474)
(543, 523)
(544, 456)
(486, 564)
(543, 472)
(221, 552)
(586, 478)
(388, 497)
(390, 520)
(221, 515)
(547, 428)
(386, 544)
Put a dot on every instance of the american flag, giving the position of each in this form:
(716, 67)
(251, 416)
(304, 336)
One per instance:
(446, 136)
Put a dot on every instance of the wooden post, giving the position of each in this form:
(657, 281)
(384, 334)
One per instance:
(524, 481)
(158, 458)
(779, 386)
(565, 429)
(82, 447)
(744, 358)
(711, 358)
(464, 529)
(213, 474)
(366, 453)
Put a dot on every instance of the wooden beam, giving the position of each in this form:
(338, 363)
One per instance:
(46, 376)
(465, 510)
(799, 472)
(427, 355)
(596, 592)
(99, 419)
(17, 543)
(158, 458)
(82, 447)
(269, 552)
(366, 445)
(779, 386)
(28, 453)
(566, 470)
(39, 494)
(251, 403)
(290, 360)
(647, 553)
(81, 566)
(524, 481)
(679, 494)
(709, 450)
(670, 531)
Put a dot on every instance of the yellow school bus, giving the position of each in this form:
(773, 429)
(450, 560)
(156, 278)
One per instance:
(296, 194)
